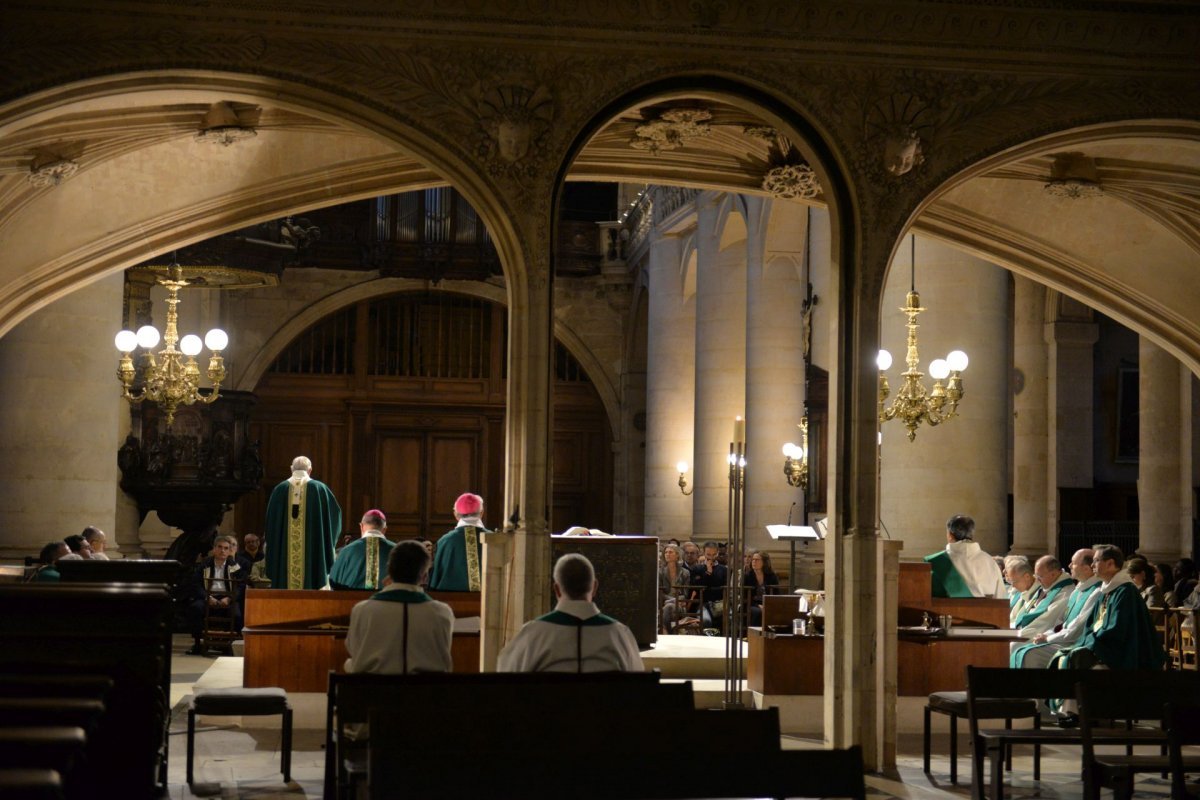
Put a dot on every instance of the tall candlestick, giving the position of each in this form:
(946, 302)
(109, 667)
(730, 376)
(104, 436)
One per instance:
(739, 429)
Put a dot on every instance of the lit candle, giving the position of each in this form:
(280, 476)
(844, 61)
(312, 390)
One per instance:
(739, 429)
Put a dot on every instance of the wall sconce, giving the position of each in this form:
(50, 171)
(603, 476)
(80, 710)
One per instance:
(682, 466)
(795, 459)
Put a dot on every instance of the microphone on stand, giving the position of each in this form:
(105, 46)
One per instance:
(790, 510)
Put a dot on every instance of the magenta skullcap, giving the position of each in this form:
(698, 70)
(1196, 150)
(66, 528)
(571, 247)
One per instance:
(375, 513)
(468, 504)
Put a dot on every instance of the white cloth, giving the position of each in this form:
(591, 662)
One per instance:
(1026, 601)
(376, 637)
(977, 568)
(546, 646)
(1049, 619)
(99, 556)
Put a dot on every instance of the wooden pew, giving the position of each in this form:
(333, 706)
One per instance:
(294, 637)
(40, 635)
(430, 696)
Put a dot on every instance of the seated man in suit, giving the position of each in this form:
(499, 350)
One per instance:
(575, 636)
(215, 589)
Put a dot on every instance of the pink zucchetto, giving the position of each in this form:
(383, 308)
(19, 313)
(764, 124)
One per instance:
(374, 515)
(468, 505)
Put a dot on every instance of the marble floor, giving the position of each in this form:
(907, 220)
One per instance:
(236, 761)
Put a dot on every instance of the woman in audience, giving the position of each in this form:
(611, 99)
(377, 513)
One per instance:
(1140, 573)
(1164, 579)
(756, 579)
(673, 576)
(1185, 579)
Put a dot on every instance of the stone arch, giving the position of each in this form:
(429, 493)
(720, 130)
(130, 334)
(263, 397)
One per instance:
(261, 361)
(1129, 251)
(413, 159)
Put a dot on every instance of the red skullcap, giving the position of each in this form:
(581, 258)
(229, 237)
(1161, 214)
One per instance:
(375, 512)
(468, 504)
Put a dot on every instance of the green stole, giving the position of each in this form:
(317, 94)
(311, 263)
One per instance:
(563, 618)
(1077, 601)
(1047, 598)
(947, 580)
(401, 596)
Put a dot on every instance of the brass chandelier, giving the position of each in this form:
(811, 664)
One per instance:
(912, 404)
(170, 378)
(795, 459)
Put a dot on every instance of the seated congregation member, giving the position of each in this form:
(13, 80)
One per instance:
(458, 560)
(1046, 645)
(216, 587)
(963, 569)
(79, 547)
(1164, 579)
(714, 577)
(1026, 591)
(363, 564)
(1185, 578)
(49, 557)
(756, 579)
(575, 636)
(673, 579)
(1054, 589)
(97, 541)
(251, 552)
(401, 629)
(1142, 575)
(1119, 633)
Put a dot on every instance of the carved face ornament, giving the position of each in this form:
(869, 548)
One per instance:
(902, 151)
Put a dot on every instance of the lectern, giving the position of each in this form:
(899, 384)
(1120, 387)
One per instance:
(792, 534)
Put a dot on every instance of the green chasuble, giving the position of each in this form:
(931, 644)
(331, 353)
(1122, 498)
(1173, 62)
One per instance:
(1047, 598)
(362, 564)
(1120, 633)
(947, 582)
(1075, 604)
(451, 570)
(300, 536)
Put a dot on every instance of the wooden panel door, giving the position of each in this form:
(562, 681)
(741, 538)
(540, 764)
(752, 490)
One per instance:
(399, 468)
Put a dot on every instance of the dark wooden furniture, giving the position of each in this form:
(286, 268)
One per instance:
(40, 635)
(627, 569)
(294, 637)
(780, 663)
(242, 703)
(453, 698)
(954, 705)
(1183, 728)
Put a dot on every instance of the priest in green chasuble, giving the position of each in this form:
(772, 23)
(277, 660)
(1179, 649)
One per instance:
(963, 569)
(458, 561)
(363, 564)
(303, 523)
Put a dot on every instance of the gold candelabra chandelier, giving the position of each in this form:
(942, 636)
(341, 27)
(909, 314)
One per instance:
(913, 404)
(795, 459)
(170, 378)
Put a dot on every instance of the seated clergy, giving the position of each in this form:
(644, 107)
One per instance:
(575, 636)
(1026, 590)
(363, 564)
(963, 569)
(1046, 645)
(1054, 589)
(401, 629)
(1119, 633)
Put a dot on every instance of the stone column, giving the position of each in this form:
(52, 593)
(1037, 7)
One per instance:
(960, 466)
(1031, 536)
(1162, 435)
(774, 360)
(720, 365)
(670, 389)
(61, 411)
(1071, 336)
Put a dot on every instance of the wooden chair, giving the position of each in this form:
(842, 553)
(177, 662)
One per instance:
(219, 628)
(687, 605)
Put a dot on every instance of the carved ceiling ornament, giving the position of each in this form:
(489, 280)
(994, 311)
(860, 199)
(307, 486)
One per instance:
(51, 171)
(672, 129)
(789, 176)
(1074, 176)
(515, 118)
(896, 126)
(222, 125)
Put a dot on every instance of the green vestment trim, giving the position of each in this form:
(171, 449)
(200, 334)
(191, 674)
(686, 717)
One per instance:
(371, 576)
(401, 596)
(471, 538)
(947, 581)
(563, 618)
(1048, 598)
(295, 545)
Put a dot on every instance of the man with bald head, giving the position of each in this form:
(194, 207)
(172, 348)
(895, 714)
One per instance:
(575, 636)
(303, 522)
(1050, 603)
(1046, 645)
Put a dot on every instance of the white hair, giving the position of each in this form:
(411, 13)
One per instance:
(301, 463)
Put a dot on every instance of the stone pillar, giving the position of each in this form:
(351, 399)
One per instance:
(960, 466)
(720, 365)
(61, 410)
(1031, 536)
(774, 361)
(1162, 435)
(1071, 336)
(670, 389)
